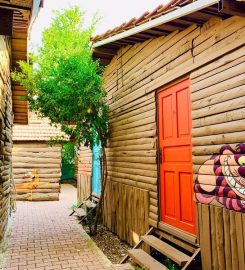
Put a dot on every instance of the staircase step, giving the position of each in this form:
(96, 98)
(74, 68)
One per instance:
(172, 253)
(143, 259)
(80, 212)
(90, 204)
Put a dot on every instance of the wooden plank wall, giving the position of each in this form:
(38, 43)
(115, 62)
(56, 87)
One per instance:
(222, 238)
(131, 80)
(19, 52)
(124, 203)
(218, 111)
(28, 157)
(6, 122)
(84, 173)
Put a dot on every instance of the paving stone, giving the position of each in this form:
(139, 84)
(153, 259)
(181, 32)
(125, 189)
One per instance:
(45, 237)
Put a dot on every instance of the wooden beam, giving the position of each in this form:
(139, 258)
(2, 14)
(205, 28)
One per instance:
(103, 51)
(232, 7)
(13, 7)
(6, 24)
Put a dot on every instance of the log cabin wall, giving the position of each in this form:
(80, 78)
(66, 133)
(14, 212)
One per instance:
(218, 112)
(29, 157)
(6, 120)
(31, 152)
(84, 173)
(212, 57)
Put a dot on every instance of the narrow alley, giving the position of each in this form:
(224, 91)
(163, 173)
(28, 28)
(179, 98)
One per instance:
(44, 237)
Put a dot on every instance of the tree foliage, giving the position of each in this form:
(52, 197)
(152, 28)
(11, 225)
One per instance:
(64, 82)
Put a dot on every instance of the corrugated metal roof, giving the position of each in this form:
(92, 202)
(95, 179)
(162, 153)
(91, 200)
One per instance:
(38, 129)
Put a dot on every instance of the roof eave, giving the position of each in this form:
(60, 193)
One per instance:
(175, 14)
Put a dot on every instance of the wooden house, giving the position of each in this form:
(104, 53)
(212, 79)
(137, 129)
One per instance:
(175, 83)
(16, 18)
(32, 155)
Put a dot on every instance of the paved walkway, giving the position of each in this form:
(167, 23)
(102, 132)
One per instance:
(44, 237)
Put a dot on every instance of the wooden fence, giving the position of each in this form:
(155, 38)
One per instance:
(83, 186)
(126, 211)
(84, 173)
(222, 238)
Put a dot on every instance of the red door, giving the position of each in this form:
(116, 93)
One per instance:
(176, 184)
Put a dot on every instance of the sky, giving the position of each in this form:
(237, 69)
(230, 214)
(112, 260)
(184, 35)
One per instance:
(111, 12)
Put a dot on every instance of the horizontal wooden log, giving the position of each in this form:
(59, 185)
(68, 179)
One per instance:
(144, 146)
(219, 108)
(221, 48)
(229, 138)
(133, 119)
(209, 169)
(132, 142)
(27, 191)
(132, 171)
(227, 29)
(153, 216)
(46, 154)
(199, 160)
(174, 48)
(37, 185)
(209, 33)
(153, 202)
(232, 127)
(36, 160)
(134, 113)
(153, 195)
(143, 179)
(139, 135)
(40, 170)
(153, 222)
(151, 167)
(153, 209)
(138, 129)
(133, 183)
(235, 92)
(219, 118)
(212, 67)
(226, 74)
(149, 153)
(35, 166)
(208, 149)
(38, 197)
(146, 160)
(48, 180)
(49, 175)
(132, 105)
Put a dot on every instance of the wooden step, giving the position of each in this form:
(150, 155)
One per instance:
(143, 259)
(90, 204)
(80, 212)
(172, 253)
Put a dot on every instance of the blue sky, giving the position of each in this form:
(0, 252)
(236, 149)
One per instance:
(112, 13)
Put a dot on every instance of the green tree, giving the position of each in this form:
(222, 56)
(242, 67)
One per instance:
(65, 84)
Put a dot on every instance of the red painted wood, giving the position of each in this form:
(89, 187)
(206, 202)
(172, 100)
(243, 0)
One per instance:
(176, 185)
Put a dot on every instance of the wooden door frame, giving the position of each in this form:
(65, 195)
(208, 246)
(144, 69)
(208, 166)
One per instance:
(188, 237)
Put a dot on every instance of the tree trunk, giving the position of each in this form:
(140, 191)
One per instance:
(103, 181)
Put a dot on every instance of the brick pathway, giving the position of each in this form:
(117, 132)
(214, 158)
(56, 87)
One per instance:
(44, 237)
